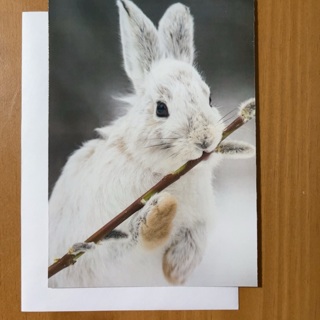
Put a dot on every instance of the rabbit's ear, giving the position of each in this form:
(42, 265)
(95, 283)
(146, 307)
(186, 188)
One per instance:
(176, 33)
(140, 43)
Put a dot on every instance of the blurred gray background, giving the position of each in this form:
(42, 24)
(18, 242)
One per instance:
(86, 63)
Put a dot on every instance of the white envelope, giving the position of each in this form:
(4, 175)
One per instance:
(36, 296)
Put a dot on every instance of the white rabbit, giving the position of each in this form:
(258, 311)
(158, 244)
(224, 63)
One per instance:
(170, 121)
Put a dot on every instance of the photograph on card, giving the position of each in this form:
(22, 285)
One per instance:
(152, 160)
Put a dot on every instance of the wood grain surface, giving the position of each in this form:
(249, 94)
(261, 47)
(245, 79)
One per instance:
(288, 60)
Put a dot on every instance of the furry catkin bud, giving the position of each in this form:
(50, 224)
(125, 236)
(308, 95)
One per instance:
(248, 110)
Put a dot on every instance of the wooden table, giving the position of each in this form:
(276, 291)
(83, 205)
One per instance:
(288, 59)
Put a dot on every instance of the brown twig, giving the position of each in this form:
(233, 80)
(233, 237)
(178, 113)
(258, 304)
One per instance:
(247, 112)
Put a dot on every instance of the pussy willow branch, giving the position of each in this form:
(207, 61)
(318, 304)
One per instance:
(247, 112)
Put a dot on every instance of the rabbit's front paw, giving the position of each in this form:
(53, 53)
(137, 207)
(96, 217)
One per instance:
(184, 254)
(156, 226)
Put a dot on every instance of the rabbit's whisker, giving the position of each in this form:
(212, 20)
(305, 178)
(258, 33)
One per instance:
(177, 134)
(164, 145)
(173, 155)
(216, 105)
(160, 139)
(230, 112)
(230, 118)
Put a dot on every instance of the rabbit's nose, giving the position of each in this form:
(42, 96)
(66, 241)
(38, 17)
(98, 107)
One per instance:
(204, 144)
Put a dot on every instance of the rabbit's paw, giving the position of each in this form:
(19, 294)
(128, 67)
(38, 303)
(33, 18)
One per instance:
(175, 270)
(183, 255)
(81, 247)
(171, 270)
(155, 228)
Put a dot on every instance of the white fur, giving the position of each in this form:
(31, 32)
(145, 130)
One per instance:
(106, 175)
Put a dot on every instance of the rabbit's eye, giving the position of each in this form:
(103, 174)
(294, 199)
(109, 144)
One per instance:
(210, 101)
(162, 110)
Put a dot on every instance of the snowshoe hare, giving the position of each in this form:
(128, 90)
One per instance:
(170, 120)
